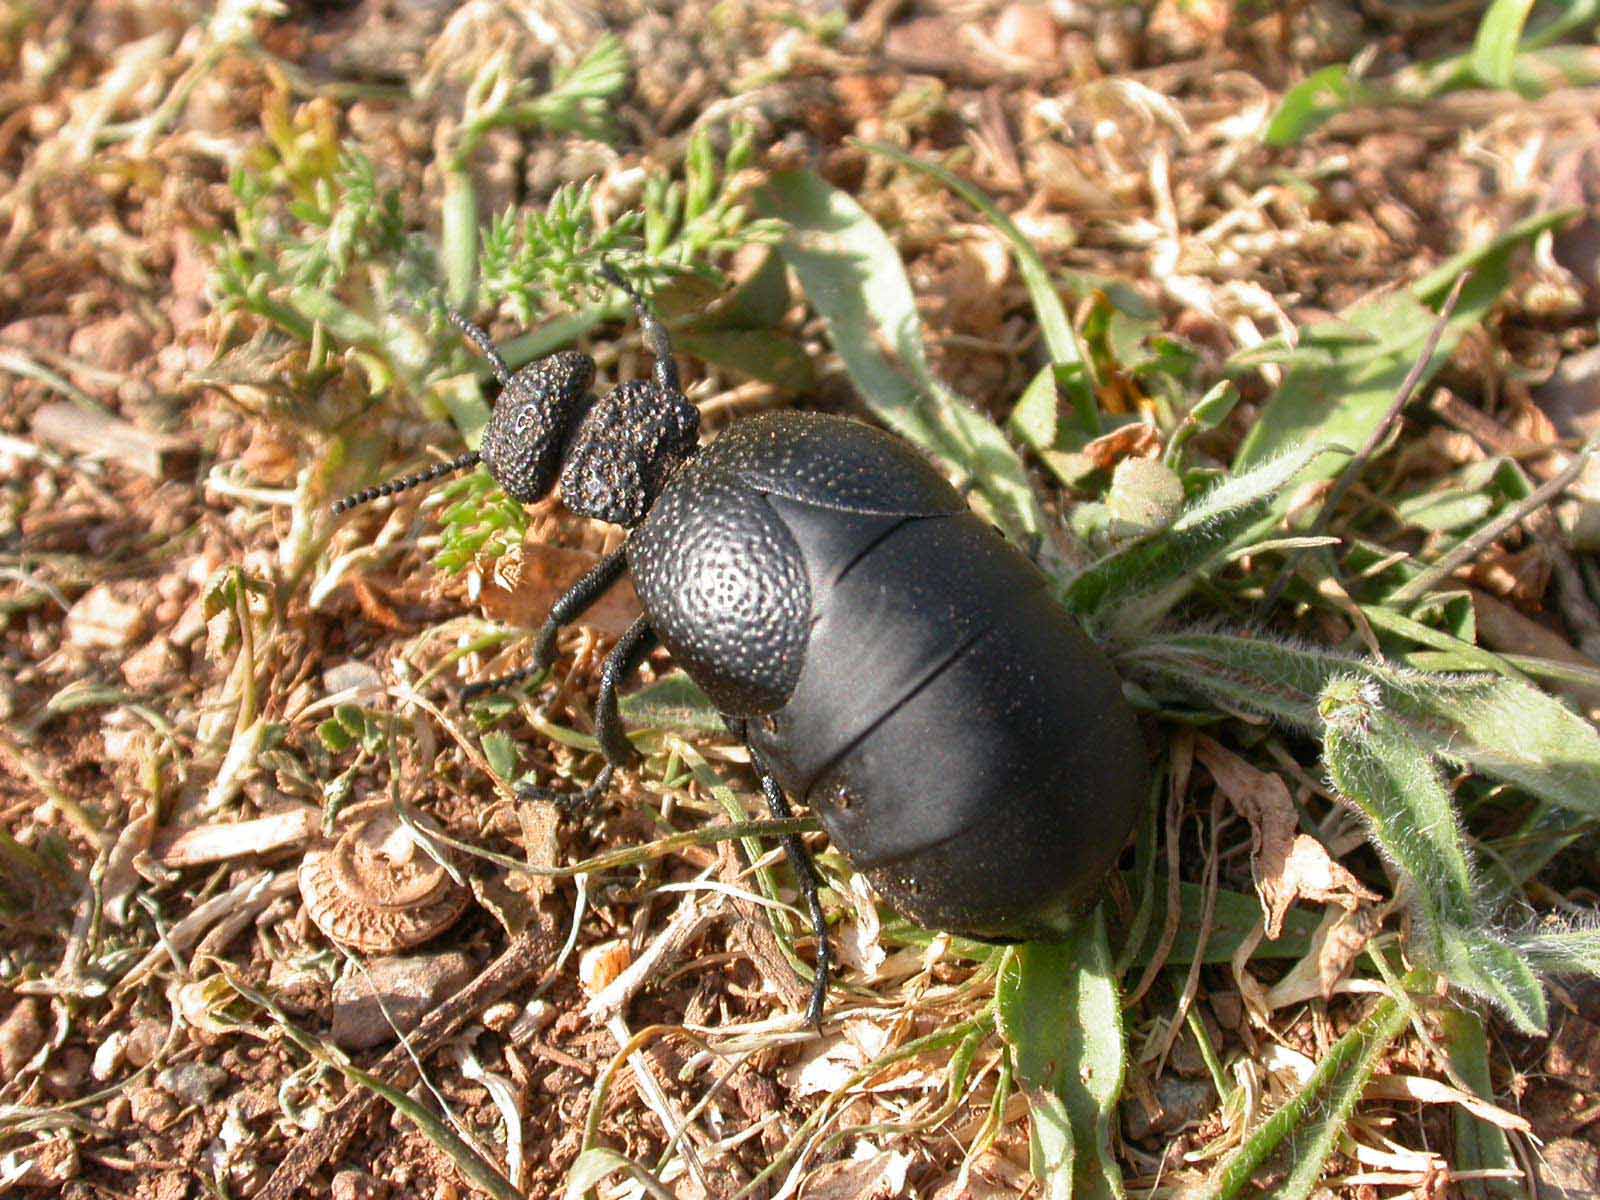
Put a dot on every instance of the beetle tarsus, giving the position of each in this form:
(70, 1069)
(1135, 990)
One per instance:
(501, 683)
(570, 801)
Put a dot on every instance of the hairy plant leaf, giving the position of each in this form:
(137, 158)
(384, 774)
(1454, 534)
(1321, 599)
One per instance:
(1329, 1095)
(1562, 952)
(1058, 1007)
(1377, 765)
(673, 702)
(853, 277)
(1205, 532)
(1501, 727)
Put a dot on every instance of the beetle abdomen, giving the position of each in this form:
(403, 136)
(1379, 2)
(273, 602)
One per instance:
(963, 741)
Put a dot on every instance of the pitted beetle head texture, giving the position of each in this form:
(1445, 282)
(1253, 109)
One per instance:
(626, 447)
(532, 422)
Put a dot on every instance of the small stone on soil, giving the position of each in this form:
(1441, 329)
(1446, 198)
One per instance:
(152, 667)
(1568, 1169)
(358, 1185)
(22, 1034)
(102, 620)
(410, 988)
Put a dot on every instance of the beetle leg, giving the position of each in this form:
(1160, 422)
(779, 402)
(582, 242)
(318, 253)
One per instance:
(572, 604)
(805, 871)
(631, 649)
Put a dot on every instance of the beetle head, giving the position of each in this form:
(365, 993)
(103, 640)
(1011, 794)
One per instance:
(613, 456)
(532, 422)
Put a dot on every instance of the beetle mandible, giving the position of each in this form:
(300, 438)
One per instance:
(886, 656)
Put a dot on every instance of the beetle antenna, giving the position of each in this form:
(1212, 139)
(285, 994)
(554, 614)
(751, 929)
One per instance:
(480, 339)
(655, 333)
(406, 482)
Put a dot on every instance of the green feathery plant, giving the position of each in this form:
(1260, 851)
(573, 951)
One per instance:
(322, 255)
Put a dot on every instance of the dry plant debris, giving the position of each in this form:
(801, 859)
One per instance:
(1124, 250)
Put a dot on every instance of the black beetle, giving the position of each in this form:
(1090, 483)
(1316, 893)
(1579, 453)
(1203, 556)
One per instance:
(886, 656)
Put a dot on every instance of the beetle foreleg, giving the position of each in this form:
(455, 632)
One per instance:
(631, 649)
(572, 604)
(805, 872)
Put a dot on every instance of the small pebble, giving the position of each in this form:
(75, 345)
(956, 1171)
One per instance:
(1568, 1169)
(152, 1108)
(358, 1185)
(22, 1035)
(192, 1083)
(410, 988)
(102, 620)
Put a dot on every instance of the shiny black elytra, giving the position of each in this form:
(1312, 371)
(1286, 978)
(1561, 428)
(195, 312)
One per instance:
(887, 657)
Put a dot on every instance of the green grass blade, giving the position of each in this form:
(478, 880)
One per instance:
(1311, 104)
(1058, 1007)
(1344, 374)
(1479, 1146)
(1054, 324)
(853, 277)
(1332, 1091)
(1494, 50)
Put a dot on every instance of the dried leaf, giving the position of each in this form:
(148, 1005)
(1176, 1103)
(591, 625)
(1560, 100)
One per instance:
(1286, 865)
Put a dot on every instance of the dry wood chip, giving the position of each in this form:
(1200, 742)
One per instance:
(1285, 865)
(201, 844)
(100, 435)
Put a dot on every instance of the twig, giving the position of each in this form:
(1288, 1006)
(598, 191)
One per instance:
(522, 958)
(1352, 473)
(1473, 546)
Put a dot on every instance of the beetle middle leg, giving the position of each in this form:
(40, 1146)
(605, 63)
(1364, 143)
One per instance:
(631, 649)
(572, 604)
(805, 871)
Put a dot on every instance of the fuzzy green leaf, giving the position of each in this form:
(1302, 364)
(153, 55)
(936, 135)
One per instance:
(674, 702)
(1501, 727)
(1562, 952)
(853, 277)
(1380, 767)
(1330, 1094)
(1058, 1007)
(1163, 562)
